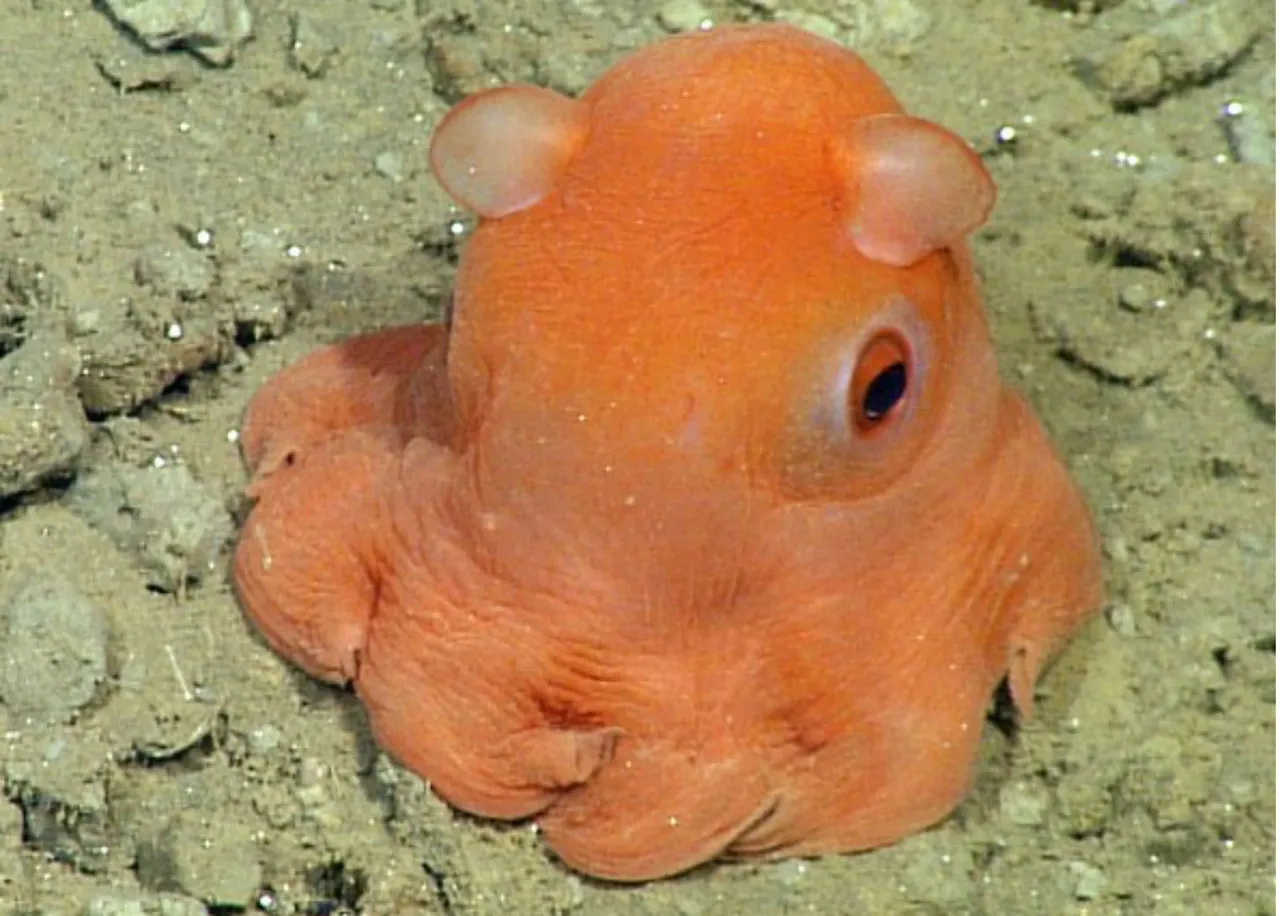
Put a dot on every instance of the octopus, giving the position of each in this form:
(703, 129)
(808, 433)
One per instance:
(703, 525)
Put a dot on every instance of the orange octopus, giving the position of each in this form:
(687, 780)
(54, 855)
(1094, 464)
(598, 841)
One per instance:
(704, 526)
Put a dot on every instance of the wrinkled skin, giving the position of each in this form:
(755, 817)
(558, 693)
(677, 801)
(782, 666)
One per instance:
(618, 549)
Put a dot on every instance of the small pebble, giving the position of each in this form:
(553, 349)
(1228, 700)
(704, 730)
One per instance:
(1023, 804)
(683, 16)
(1120, 617)
(1089, 880)
(389, 165)
(263, 740)
(312, 772)
(1117, 549)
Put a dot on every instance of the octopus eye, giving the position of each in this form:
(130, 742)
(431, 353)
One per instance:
(880, 381)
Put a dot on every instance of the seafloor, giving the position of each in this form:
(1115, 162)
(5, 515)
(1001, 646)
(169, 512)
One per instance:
(175, 226)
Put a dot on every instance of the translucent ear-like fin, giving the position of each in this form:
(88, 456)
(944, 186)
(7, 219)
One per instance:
(503, 150)
(911, 187)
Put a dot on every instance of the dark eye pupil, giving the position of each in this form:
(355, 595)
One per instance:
(885, 390)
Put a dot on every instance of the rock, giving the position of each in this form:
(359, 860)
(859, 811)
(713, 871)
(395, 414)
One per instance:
(1205, 226)
(465, 55)
(213, 30)
(129, 68)
(43, 430)
(263, 740)
(1132, 338)
(262, 305)
(311, 49)
(175, 271)
(1089, 879)
(210, 859)
(1249, 350)
(177, 905)
(1248, 124)
(389, 165)
(60, 784)
(53, 651)
(161, 514)
(133, 351)
(1249, 261)
(1120, 617)
(27, 291)
(1187, 49)
(116, 905)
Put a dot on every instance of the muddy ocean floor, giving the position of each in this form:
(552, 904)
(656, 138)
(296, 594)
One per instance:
(193, 196)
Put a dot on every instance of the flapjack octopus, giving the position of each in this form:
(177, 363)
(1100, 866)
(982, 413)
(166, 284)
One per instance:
(705, 526)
